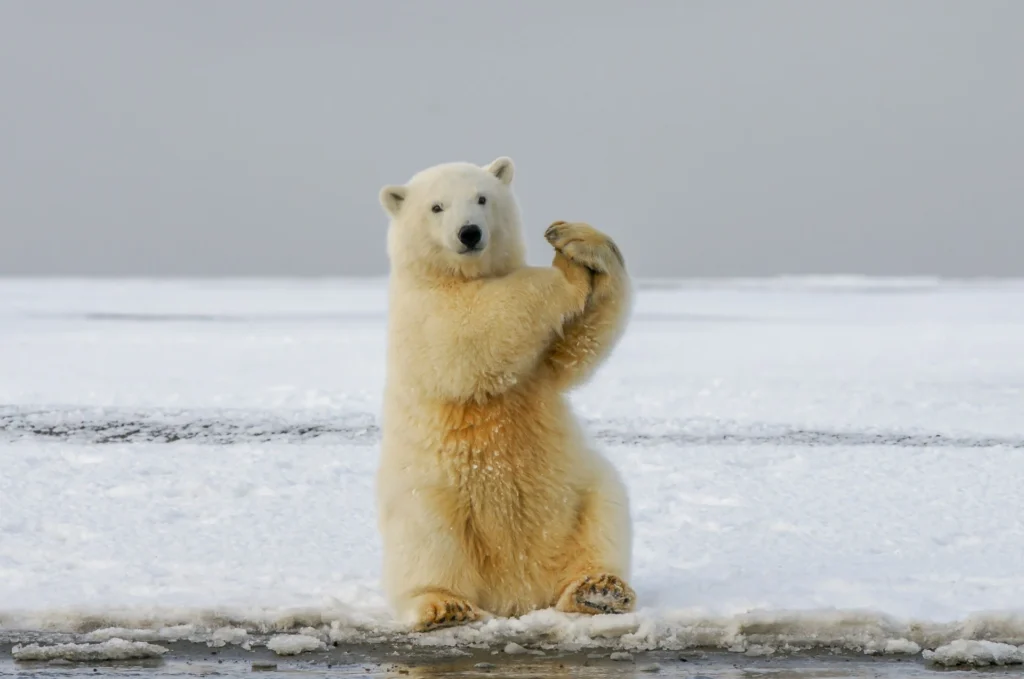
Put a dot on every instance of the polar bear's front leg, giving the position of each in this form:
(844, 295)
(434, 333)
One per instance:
(589, 338)
(506, 332)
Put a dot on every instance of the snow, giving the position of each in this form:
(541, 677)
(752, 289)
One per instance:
(813, 464)
(114, 649)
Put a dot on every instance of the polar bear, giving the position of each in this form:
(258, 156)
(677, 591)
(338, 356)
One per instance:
(490, 500)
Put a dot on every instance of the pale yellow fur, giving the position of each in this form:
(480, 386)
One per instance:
(490, 498)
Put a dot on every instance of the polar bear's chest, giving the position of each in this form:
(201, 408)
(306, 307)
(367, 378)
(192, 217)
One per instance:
(496, 467)
(501, 460)
(498, 435)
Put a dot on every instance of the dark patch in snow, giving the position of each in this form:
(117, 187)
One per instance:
(811, 438)
(101, 425)
(167, 426)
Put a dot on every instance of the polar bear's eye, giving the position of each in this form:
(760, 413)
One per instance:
(436, 208)
(482, 200)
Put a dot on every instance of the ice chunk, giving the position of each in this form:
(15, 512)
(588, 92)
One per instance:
(976, 653)
(293, 644)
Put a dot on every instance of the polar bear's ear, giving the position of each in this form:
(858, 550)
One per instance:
(503, 169)
(391, 199)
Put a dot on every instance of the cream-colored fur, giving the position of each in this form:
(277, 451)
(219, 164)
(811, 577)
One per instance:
(490, 499)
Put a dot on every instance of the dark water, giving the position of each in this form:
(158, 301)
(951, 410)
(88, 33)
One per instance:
(195, 661)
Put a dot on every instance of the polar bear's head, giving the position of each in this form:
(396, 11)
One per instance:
(455, 219)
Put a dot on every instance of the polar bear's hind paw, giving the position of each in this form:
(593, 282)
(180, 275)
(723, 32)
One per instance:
(597, 594)
(436, 610)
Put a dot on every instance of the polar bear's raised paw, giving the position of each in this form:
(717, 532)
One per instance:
(586, 246)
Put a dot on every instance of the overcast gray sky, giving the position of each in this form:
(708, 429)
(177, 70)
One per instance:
(250, 137)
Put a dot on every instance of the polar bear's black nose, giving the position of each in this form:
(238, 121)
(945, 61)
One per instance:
(470, 235)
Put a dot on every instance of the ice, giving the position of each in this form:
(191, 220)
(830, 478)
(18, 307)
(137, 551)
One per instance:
(901, 647)
(113, 649)
(977, 653)
(294, 644)
(229, 635)
(813, 465)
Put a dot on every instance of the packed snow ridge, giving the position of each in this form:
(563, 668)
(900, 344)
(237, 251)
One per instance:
(980, 640)
(113, 649)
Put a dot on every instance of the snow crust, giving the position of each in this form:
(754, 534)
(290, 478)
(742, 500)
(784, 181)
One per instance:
(113, 649)
(812, 464)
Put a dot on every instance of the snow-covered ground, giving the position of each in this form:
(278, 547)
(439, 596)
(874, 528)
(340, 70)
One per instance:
(831, 463)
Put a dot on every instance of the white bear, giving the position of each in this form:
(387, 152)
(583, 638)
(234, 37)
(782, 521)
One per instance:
(490, 499)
